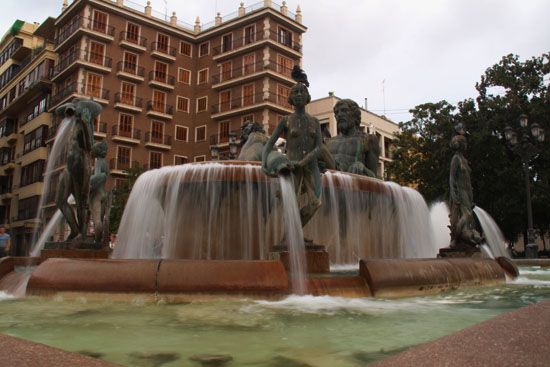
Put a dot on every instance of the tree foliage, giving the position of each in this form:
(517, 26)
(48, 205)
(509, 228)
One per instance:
(506, 90)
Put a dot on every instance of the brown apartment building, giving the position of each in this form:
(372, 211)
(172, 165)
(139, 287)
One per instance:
(169, 90)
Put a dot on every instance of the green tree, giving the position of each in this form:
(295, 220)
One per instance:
(506, 90)
(120, 196)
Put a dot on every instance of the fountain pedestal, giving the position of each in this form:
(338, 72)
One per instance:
(75, 250)
(317, 258)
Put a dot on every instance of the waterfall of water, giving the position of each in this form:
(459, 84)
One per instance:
(492, 233)
(439, 214)
(54, 157)
(46, 233)
(231, 211)
(294, 235)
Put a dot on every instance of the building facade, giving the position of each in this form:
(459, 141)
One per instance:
(169, 90)
(323, 109)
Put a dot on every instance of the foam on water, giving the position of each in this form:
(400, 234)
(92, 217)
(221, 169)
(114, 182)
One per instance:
(5, 296)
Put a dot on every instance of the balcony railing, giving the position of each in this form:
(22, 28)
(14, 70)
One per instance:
(237, 73)
(100, 127)
(91, 90)
(162, 78)
(241, 42)
(126, 133)
(122, 164)
(163, 49)
(134, 38)
(64, 93)
(157, 138)
(223, 137)
(81, 55)
(128, 68)
(253, 99)
(82, 22)
(285, 40)
(128, 99)
(154, 106)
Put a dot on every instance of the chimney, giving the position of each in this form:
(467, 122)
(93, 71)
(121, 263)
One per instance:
(366, 103)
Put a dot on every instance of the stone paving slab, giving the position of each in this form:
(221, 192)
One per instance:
(518, 338)
(23, 353)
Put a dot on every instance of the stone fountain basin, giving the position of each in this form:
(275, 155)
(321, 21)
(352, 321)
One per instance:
(387, 278)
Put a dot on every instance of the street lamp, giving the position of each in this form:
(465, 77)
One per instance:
(214, 152)
(233, 145)
(525, 146)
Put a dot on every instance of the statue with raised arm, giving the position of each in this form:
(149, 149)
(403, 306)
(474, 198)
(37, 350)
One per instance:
(75, 178)
(98, 194)
(303, 145)
(464, 234)
(352, 149)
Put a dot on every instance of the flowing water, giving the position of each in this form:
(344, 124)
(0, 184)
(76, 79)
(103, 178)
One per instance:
(294, 235)
(492, 233)
(231, 211)
(294, 331)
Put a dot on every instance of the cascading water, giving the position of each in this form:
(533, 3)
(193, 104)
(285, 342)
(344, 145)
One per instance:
(294, 235)
(56, 154)
(231, 211)
(492, 233)
(439, 215)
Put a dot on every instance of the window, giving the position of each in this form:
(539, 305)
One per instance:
(99, 22)
(182, 104)
(32, 173)
(97, 52)
(155, 160)
(225, 100)
(161, 71)
(200, 133)
(93, 85)
(157, 132)
(125, 123)
(226, 71)
(202, 76)
(223, 131)
(124, 155)
(284, 65)
(159, 101)
(163, 41)
(227, 42)
(248, 64)
(35, 139)
(180, 159)
(282, 95)
(132, 32)
(181, 133)
(200, 158)
(130, 62)
(185, 48)
(204, 49)
(128, 93)
(285, 37)
(28, 207)
(248, 94)
(247, 118)
(249, 34)
(184, 76)
(201, 104)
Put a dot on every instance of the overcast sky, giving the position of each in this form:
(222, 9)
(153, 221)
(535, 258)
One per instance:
(425, 50)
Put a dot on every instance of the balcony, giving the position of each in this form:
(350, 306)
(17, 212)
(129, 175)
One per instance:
(160, 110)
(80, 24)
(158, 141)
(100, 130)
(130, 71)
(222, 138)
(163, 51)
(236, 106)
(131, 136)
(128, 102)
(161, 80)
(63, 95)
(100, 95)
(121, 165)
(245, 44)
(248, 72)
(79, 57)
(133, 41)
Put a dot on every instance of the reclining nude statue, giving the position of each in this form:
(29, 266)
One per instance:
(352, 149)
(464, 234)
(303, 145)
(75, 178)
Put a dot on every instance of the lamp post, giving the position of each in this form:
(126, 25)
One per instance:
(233, 145)
(524, 143)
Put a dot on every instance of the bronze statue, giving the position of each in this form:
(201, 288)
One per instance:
(352, 149)
(75, 178)
(464, 234)
(253, 139)
(303, 145)
(98, 194)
